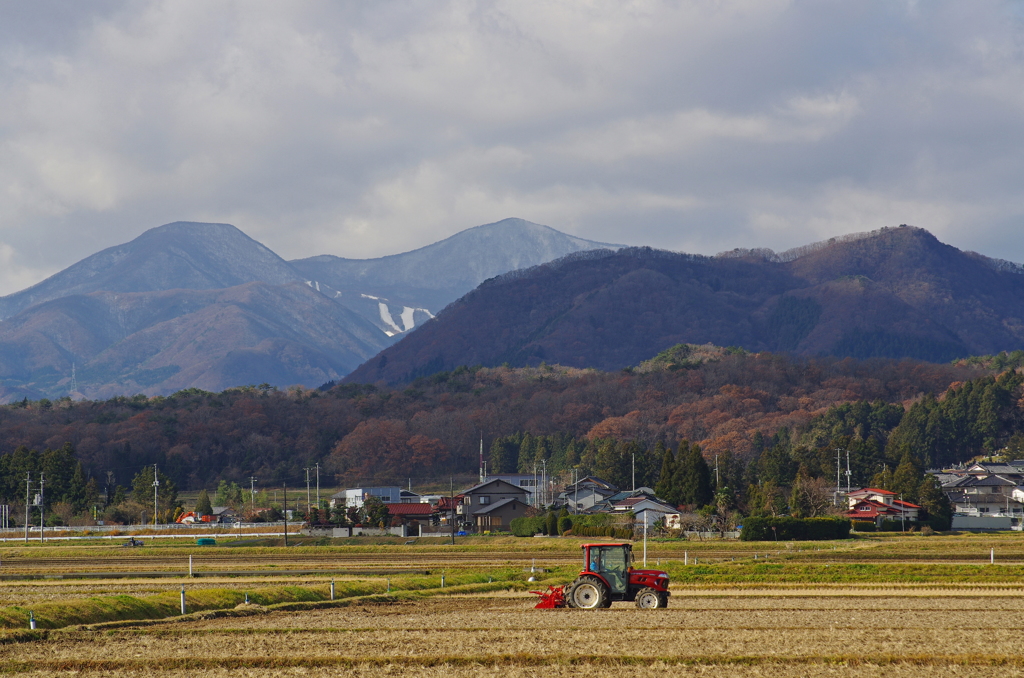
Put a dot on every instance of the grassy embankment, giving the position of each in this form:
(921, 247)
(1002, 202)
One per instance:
(101, 609)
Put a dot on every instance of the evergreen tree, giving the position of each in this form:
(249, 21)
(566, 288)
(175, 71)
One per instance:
(935, 502)
(906, 479)
(665, 488)
(75, 494)
(526, 454)
(142, 489)
(92, 493)
(765, 499)
(59, 468)
(776, 465)
(692, 478)
(572, 454)
(203, 506)
(882, 480)
(799, 507)
(504, 455)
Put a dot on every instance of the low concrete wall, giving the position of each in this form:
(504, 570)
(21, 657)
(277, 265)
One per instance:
(982, 523)
(338, 532)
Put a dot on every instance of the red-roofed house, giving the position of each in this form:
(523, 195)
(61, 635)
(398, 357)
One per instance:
(871, 503)
(411, 510)
(410, 513)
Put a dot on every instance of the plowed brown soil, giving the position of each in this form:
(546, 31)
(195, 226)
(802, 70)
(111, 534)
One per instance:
(821, 631)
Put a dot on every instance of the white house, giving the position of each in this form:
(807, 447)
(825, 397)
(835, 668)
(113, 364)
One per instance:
(647, 510)
(355, 496)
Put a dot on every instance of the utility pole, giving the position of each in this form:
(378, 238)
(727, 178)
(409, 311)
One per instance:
(28, 490)
(576, 491)
(309, 505)
(318, 484)
(903, 513)
(252, 493)
(718, 481)
(451, 492)
(544, 480)
(837, 475)
(536, 489)
(847, 472)
(42, 508)
(156, 486)
(633, 458)
(284, 489)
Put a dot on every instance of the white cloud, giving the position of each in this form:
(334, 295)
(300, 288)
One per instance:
(362, 129)
(13, 274)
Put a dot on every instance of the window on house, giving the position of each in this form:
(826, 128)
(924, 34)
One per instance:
(485, 499)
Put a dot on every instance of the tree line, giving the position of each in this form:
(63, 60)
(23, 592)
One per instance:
(763, 417)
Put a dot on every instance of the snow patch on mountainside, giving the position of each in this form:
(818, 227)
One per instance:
(409, 319)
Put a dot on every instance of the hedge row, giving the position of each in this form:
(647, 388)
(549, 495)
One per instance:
(795, 529)
(552, 524)
(603, 531)
(527, 526)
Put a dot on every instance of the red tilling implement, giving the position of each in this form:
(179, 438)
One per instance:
(550, 599)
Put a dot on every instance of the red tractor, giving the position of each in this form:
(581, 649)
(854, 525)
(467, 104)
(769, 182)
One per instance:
(607, 576)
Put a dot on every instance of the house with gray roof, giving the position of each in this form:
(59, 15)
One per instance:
(491, 501)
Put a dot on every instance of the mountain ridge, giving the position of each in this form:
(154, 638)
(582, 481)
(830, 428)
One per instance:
(129, 317)
(898, 292)
(178, 255)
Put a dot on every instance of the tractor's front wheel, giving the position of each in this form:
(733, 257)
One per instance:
(588, 593)
(650, 599)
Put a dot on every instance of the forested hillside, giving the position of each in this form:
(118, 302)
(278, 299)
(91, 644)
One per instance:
(763, 415)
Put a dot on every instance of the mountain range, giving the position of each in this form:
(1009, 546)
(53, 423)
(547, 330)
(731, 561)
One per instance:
(203, 305)
(897, 292)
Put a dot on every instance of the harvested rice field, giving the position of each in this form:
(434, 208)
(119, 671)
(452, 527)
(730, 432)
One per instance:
(826, 630)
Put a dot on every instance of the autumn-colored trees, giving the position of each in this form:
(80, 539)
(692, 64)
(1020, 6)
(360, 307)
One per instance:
(381, 450)
(563, 418)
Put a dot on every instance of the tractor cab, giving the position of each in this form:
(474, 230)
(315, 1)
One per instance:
(611, 562)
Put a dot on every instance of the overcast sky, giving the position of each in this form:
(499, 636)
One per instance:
(368, 128)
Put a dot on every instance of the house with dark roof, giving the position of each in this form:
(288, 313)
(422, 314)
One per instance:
(585, 494)
(647, 510)
(482, 500)
(224, 514)
(979, 494)
(497, 517)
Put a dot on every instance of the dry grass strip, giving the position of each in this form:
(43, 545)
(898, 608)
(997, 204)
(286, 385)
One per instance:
(508, 660)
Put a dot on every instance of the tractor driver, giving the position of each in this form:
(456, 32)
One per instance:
(595, 560)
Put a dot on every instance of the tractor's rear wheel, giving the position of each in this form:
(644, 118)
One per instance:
(649, 599)
(588, 593)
